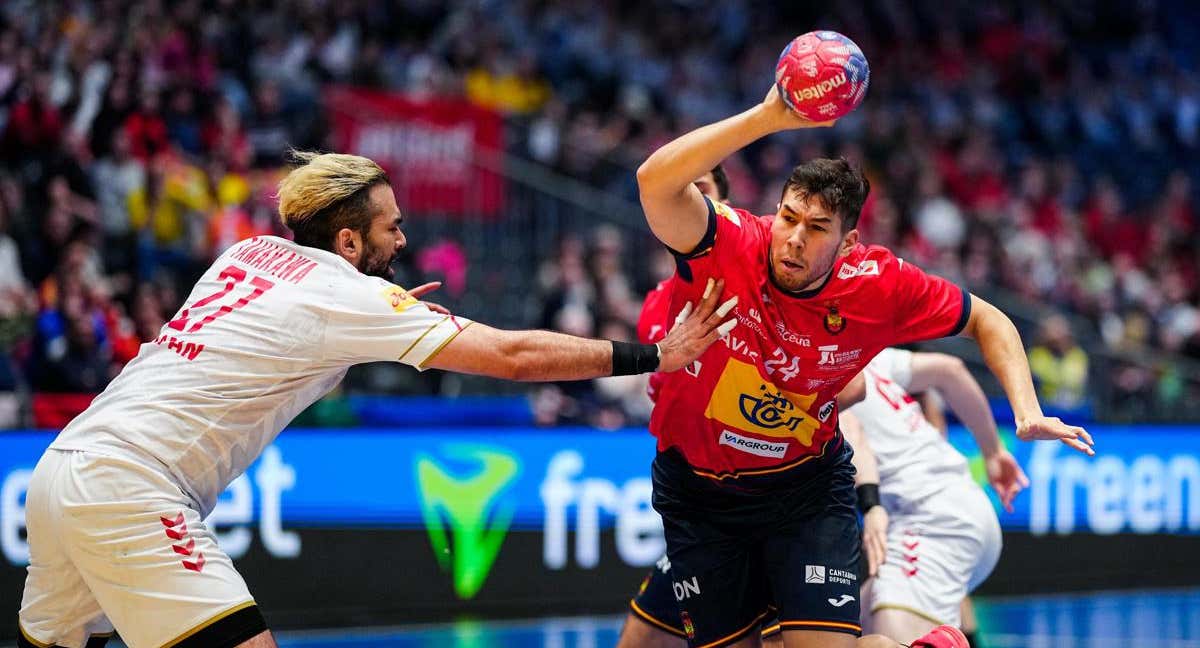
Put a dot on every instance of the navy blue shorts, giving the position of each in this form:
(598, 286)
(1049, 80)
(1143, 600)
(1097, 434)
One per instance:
(786, 545)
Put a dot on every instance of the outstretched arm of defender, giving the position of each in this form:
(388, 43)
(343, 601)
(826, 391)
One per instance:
(950, 377)
(1005, 355)
(675, 208)
(866, 481)
(548, 356)
(865, 466)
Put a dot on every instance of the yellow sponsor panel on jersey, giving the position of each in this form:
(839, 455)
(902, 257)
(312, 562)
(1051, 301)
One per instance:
(744, 400)
(398, 298)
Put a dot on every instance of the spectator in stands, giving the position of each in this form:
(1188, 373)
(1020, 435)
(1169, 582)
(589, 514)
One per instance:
(78, 363)
(35, 124)
(268, 129)
(71, 352)
(118, 178)
(17, 307)
(508, 82)
(1059, 365)
(145, 127)
(183, 121)
(12, 280)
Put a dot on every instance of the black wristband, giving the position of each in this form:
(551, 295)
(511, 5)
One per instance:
(629, 358)
(868, 497)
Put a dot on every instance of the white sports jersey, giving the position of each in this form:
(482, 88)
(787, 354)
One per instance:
(915, 460)
(271, 327)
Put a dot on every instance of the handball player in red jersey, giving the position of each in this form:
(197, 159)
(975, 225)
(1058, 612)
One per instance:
(752, 477)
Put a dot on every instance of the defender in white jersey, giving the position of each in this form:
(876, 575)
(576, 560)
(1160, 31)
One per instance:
(115, 507)
(942, 534)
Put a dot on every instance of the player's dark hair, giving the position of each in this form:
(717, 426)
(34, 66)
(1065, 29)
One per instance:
(841, 188)
(722, 182)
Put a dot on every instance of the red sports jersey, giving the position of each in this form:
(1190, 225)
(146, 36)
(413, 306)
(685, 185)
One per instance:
(764, 399)
(652, 321)
(653, 326)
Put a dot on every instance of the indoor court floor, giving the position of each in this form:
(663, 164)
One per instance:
(1143, 619)
(1124, 619)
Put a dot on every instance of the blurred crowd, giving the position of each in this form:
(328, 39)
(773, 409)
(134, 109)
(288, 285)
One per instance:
(1051, 149)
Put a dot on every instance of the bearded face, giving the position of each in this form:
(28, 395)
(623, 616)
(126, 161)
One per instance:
(383, 241)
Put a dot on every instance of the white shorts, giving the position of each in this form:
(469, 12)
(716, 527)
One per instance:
(937, 552)
(115, 543)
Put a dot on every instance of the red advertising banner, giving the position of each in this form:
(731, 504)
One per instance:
(429, 147)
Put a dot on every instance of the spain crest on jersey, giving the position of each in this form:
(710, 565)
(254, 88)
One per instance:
(834, 321)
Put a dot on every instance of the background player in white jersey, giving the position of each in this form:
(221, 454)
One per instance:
(115, 507)
(943, 536)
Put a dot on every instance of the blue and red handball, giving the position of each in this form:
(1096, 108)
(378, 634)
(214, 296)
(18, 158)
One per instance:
(822, 75)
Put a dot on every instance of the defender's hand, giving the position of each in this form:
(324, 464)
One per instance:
(695, 331)
(875, 524)
(428, 288)
(1006, 477)
(1051, 428)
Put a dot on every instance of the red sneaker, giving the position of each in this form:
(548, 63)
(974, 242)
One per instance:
(943, 637)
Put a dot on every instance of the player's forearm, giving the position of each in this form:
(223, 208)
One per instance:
(968, 402)
(931, 407)
(1005, 355)
(534, 356)
(865, 466)
(676, 165)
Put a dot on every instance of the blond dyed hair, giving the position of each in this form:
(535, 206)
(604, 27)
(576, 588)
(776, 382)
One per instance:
(326, 193)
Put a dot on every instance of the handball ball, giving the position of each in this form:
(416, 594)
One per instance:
(822, 75)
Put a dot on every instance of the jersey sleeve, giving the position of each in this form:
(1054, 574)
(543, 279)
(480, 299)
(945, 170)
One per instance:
(652, 321)
(928, 306)
(381, 322)
(729, 231)
(653, 326)
(898, 364)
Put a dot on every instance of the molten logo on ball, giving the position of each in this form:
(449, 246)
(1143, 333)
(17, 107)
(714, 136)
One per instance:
(818, 91)
(822, 75)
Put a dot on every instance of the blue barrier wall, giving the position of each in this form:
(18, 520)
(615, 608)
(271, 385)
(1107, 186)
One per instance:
(425, 523)
(1142, 480)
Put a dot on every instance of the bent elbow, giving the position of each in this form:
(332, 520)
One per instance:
(645, 175)
(956, 365)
